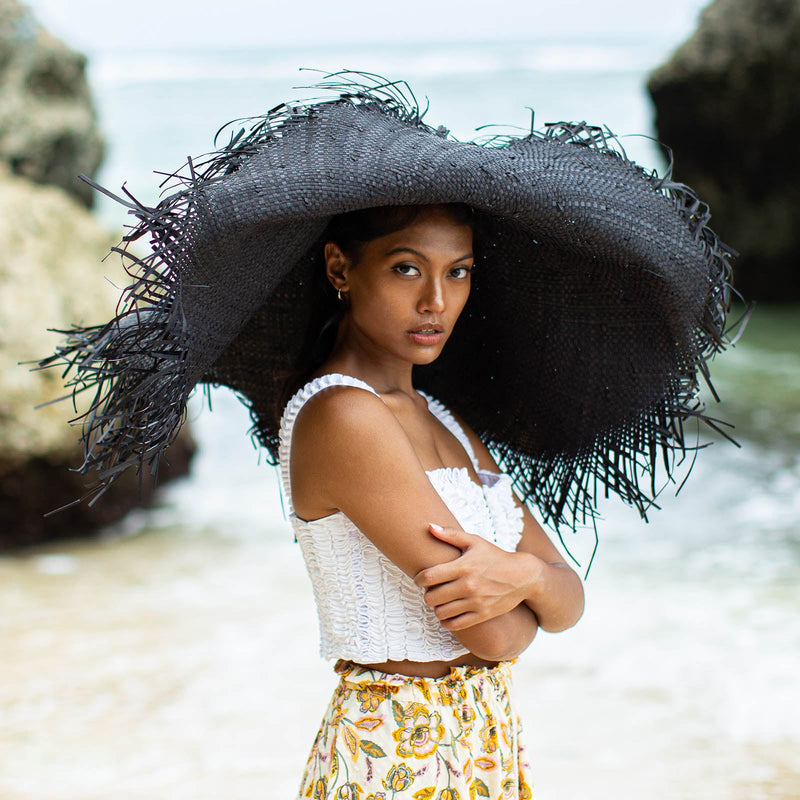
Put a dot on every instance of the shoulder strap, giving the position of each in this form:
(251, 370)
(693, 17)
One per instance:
(449, 421)
(293, 408)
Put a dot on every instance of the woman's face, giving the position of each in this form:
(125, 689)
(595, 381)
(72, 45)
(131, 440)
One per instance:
(407, 289)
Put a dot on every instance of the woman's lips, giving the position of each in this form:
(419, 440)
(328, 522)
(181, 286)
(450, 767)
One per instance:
(426, 335)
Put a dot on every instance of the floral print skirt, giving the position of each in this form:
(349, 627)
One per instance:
(387, 737)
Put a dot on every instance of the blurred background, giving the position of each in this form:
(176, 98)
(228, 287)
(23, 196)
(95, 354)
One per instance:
(171, 651)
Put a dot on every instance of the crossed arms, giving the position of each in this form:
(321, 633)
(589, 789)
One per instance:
(349, 453)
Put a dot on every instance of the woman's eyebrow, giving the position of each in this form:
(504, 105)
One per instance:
(396, 250)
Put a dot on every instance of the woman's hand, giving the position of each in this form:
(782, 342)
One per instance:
(482, 583)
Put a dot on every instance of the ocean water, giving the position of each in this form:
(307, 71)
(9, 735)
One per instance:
(176, 655)
(158, 108)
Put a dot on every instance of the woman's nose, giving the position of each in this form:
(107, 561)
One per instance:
(432, 298)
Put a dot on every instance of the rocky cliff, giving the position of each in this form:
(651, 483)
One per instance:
(48, 127)
(51, 276)
(727, 103)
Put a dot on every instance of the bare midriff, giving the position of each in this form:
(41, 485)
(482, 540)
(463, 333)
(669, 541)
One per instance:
(429, 669)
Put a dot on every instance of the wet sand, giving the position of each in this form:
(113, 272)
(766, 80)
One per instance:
(184, 664)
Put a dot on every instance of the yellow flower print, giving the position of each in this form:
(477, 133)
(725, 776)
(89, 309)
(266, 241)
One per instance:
(489, 735)
(339, 709)
(388, 742)
(340, 695)
(371, 696)
(399, 778)
(419, 730)
(478, 789)
(505, 729)
(510, 789)
(349, 791)
(422, 685)
(321, 789)
(472, 671)
(466, 717)
(452, 693)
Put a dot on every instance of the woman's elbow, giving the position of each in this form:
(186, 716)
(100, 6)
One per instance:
(566, 620)
(502, 642)
(505, 648)
(561, 625)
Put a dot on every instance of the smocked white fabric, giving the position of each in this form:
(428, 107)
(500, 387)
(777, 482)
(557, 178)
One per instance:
(369, 610)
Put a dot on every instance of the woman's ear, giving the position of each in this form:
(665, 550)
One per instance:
(337, 266)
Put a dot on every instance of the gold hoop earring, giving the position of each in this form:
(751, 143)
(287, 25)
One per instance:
(339, 294)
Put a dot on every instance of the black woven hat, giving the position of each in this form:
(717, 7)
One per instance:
(599, 295)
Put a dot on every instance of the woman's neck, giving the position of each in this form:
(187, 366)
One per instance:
(381, 370)
(381, 380)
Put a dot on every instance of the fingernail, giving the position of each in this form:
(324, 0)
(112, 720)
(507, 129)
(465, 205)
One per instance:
(437, 528)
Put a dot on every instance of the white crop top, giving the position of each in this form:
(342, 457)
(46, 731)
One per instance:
(369, 610)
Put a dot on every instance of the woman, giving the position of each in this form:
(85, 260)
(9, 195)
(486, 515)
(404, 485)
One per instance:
(365, 458)
(600, 294)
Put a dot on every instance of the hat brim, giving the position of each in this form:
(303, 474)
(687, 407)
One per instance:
(599, 294)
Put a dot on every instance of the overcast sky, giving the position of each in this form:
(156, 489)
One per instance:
(94, 24)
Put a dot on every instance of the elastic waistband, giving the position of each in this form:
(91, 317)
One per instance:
(357, 675)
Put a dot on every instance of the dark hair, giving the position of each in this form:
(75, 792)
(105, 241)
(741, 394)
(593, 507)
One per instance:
(350, 231)
(353, 230)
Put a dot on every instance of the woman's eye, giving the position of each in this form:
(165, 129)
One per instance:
(406, 269)
(461, 272)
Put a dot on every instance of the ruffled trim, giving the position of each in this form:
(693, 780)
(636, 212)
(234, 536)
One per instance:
(505, 512)
(360, 676)
(487, 510)
(465, 499)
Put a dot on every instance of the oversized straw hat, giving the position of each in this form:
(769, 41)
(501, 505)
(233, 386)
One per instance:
(599, 292)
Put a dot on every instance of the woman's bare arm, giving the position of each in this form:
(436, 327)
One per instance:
(349, 453)
(486, 580)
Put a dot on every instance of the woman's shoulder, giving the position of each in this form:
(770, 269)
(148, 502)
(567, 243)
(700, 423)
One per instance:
(336, 414)
(327, 392)
(340, 404)
(346, 439)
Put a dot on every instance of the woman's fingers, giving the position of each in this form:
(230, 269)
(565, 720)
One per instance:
(463, 621)
(480, 584)
(440, 574)
(449, 570)
(455, 536)
(447, 611)
(442, 593)
(461, 614)
(451, 600)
